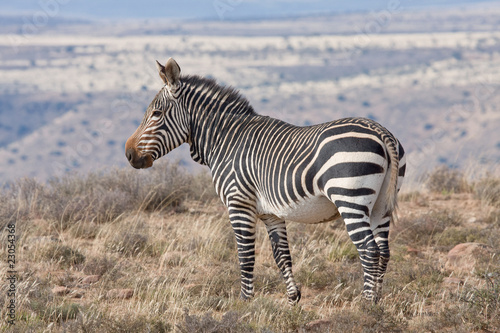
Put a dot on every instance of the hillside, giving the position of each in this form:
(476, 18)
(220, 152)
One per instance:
(71, 94)
(153, 251)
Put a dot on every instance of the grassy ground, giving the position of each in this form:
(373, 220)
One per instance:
(153, 251)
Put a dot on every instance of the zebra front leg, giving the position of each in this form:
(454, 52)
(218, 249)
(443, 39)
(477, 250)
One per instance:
(276, 228)
(243, 220)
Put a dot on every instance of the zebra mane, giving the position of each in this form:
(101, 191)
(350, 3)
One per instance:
(230, 94)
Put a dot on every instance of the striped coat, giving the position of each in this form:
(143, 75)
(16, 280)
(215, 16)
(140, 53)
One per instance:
(264, 168)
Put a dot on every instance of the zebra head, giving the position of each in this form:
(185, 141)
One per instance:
(165, 125)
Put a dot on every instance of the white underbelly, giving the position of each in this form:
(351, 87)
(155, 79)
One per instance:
(310, 210)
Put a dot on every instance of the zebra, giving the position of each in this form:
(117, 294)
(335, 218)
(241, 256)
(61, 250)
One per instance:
(264, 168)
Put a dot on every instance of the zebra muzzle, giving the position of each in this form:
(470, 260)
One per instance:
(137, 160)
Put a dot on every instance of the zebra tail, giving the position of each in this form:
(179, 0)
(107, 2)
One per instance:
(392, 193)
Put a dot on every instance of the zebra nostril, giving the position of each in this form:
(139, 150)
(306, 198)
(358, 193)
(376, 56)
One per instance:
(129, 155)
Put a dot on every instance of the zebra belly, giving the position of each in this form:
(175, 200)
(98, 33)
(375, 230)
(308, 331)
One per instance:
(309, 210)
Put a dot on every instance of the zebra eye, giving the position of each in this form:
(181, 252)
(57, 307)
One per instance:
(157, 113)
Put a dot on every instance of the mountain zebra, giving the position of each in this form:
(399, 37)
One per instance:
(264, 168)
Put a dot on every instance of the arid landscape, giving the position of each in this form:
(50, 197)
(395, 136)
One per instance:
(153, 251)
(71, 94)
(102, 247)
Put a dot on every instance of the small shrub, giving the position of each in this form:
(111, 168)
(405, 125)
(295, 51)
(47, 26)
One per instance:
(270, 283)
(349, 321)
(19, 200)
(27, 191)
(84, 230)
(488, 191)
(33, 298)
(446, 180)
(63, 254)
(447, 318)
(292, 319)
(320, 273)
(423, 275)
(61, 312)
(98, 265)
(453, 236)
(230, 323)
(201, 188)
(91, 320)
(129, 243)
(317, 273)
(423, 229)
(227, 283)
(9, 210)
(27, 327)
(279, 316)
(214, 303)
(483, 305)
(493, 217)
(343, 250)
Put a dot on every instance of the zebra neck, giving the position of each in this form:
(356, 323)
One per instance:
(215, 111)
(212, 132)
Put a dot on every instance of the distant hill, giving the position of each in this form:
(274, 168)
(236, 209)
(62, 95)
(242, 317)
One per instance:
(72, 94)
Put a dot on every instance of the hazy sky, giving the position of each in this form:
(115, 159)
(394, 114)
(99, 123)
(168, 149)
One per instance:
(207, 9)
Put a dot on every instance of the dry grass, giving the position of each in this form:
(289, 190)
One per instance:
(445, 180)
(101, 197)
(176, 250)
(488, 191)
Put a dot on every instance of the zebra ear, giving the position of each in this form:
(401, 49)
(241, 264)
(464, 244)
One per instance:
(161, 71)
(173, 72)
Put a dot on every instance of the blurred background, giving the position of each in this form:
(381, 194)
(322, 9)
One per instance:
(76, 77)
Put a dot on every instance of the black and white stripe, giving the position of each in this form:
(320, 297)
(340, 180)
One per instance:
(264, 168)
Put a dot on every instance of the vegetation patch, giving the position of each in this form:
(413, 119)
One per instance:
(424, 229)
(488, 191)
(455, 235)
(181, 254)
(62, 254)
(482, 305)
(229, 323)
(445, 180)
(72, 201)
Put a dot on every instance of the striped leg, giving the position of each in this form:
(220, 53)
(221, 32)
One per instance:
(243, 220)
(381, 222)
(358, 227)
(276, 228)
(381, 234)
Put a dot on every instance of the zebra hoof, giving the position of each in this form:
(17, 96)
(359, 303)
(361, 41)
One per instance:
(294, 299)
(245, 297)
(371, 297)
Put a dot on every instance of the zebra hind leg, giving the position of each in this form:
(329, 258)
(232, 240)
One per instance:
(358, 227)
(276, 229)
(380, 225)
(382, 240)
